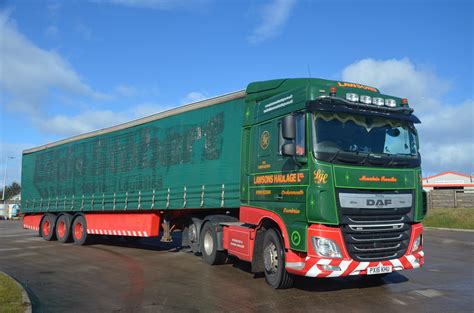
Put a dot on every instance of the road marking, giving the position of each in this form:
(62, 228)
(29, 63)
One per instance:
(18, 255)
(429, 293)
(9, 249)
(399, 301)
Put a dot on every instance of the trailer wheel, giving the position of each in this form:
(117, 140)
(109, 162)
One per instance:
(274, 261)
(47, 227)
(63, 228)
(79, 231)
(208, 244)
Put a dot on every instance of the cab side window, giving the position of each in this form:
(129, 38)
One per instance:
(300, 140)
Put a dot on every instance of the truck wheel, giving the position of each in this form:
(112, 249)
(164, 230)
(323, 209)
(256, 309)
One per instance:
(47, 227)
(63, 228)
(79, 231)
(208, 244)
(274, 261)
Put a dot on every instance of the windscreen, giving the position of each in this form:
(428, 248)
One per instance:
(365, 135)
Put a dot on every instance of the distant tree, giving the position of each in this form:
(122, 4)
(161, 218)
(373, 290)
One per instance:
(11, 190)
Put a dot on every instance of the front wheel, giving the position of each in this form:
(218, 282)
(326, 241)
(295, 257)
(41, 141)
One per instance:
(274, 261)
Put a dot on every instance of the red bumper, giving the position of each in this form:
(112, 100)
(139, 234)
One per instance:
(313, 265)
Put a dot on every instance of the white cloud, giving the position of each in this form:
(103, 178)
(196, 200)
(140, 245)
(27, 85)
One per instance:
(446, 132)
(155, 4)
(194, 96)
(273, 18)
(126, 90)
(28, 73)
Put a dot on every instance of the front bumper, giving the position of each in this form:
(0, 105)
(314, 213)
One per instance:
(312, 265)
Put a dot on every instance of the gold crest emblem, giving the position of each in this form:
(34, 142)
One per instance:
(264, 140)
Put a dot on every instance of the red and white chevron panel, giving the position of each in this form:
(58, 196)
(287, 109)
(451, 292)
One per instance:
(351, 267)
(123, 224)
(32, 221)
(313, 265)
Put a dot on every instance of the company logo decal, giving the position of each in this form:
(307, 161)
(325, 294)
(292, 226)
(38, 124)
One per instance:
(392, 179)
(351, 85)
(295, 238)
(320, 177)
(270, 179)
(379, 202)
(264, 140)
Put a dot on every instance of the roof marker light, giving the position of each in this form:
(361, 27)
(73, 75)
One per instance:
(332, 91)
(404, 101)
(352, 97)
(366, 99)
(390, 103)
(378, 101)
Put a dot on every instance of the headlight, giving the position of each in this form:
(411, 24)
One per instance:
(366, 99)
(352, 97)
(390, 103)
(418, 243)
(378, 101)
(326, 247)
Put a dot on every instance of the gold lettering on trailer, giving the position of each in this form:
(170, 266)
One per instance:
(263, 192)
(291, 211)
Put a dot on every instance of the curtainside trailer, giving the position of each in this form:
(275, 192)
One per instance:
(307, 177)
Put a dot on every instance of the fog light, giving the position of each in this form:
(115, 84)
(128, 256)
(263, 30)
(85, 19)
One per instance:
(326, 267)
(366, 99)
(418, 243)
(352, 97)
(326, 247)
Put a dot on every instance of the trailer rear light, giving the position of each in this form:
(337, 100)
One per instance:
(326, 247)
(378, 101)
(332, 91)
(366, 99)
(390, 103)
(352, 97)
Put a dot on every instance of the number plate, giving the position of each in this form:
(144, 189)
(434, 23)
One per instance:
(379, 270)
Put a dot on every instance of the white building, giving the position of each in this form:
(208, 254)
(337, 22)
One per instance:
(448, 180)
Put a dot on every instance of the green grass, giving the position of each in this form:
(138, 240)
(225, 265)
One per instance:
(450, 218)
(10, 296)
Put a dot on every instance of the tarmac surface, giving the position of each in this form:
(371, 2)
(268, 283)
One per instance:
(149, 276)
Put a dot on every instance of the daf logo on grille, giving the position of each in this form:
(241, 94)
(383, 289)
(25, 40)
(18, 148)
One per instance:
(379, 202)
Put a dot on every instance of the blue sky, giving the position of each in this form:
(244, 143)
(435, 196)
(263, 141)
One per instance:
(67, 67)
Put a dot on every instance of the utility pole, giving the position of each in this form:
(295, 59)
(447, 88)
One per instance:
(5, 177)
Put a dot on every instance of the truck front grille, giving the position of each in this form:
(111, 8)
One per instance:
(376, 234)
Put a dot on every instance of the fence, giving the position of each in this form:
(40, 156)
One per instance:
(451, 198)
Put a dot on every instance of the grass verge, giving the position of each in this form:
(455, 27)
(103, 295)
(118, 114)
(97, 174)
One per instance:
(450, 218)
(10, 296)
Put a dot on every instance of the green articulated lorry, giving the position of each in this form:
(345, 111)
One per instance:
(307, 177)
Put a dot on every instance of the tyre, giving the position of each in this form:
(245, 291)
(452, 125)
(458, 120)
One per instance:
(63, 228)
(208, 244)
(274, 261)
(47, 227)
(79, 231)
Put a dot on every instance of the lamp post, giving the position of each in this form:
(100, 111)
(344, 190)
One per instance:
(5, 177)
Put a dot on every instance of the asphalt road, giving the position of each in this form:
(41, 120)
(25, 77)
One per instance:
(149, 276)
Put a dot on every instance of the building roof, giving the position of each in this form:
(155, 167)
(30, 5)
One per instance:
(448, 179)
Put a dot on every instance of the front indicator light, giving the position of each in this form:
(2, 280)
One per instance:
(366, 99)
(417, 244)
(390, 103)
(352, 97)
(326, 247)
(378, 101)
